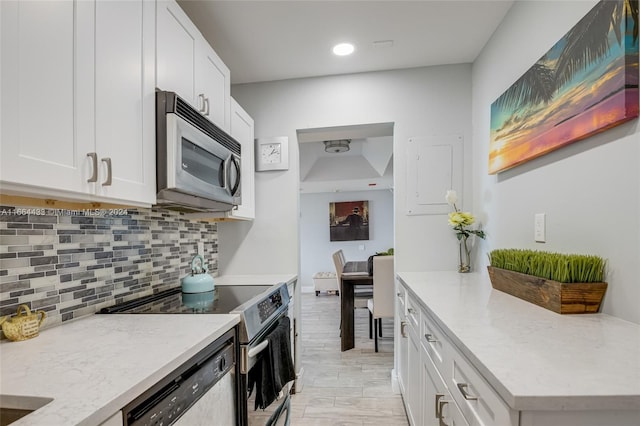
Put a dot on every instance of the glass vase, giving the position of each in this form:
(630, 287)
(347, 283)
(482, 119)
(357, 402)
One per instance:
(464, 253)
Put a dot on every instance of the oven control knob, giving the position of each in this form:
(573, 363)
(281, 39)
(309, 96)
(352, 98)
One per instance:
(222, 364)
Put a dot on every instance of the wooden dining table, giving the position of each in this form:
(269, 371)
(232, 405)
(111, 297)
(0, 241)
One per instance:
(354, 273)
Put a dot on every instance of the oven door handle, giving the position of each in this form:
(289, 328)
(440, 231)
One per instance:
(247, 354)
(253, 352)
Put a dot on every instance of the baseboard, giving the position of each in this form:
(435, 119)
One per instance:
(395, 387)
(298, 384)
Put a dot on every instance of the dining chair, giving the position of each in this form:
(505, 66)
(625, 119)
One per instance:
(360, 293)
(381, 305)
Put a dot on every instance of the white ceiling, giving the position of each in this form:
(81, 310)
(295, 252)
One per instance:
(368, 165)
(277, 40)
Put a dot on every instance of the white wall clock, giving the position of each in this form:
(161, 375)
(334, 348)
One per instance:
(272, 153)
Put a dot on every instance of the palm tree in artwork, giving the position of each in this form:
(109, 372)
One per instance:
(589, 41)
(585, 44)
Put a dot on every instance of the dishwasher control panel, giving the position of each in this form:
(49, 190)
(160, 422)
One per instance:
(164, 405)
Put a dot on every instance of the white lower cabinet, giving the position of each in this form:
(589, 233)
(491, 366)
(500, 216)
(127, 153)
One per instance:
(412, 398)
(448, 391)
(402, 340)
(438, 407)
(477, 400)
(451, 389)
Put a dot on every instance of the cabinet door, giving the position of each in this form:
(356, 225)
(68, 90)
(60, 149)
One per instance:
(433, 391)
(403, 342)
(213, 84)
(177, 38)
(242, 131)
(125, 99)
(438, 407)
(46, 113)
(413, 397)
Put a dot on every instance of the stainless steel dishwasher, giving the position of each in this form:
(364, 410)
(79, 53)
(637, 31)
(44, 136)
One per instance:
(201, 392)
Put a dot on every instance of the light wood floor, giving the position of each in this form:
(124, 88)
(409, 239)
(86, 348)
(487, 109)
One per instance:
(342, 388)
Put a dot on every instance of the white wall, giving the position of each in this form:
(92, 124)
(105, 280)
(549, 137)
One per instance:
(315, 247)
(590, 190)
(420, 102)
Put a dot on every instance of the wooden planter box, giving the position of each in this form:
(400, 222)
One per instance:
(562, 298)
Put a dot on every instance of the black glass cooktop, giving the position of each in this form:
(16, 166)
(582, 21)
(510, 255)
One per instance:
(222, 300)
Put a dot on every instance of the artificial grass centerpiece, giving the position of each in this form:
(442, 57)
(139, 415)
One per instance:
(564, 268)
(563, 283)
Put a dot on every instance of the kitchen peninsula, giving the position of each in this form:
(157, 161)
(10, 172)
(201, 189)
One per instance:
(506, 361)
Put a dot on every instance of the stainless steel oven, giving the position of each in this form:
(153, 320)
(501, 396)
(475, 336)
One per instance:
(260, 317)
(261, 310)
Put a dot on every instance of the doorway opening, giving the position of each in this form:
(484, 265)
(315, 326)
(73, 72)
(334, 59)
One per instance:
(361, 172)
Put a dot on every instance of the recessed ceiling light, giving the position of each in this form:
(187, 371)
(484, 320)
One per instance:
(343, 49)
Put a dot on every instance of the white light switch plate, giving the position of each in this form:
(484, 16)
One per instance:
(539, 228)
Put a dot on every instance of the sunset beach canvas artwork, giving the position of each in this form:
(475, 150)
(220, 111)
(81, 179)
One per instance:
(585, 84)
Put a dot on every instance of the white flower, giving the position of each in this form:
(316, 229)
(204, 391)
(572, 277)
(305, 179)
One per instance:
(451, 197)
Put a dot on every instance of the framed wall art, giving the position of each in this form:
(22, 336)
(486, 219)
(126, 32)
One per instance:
(349, 221)
(585, 84)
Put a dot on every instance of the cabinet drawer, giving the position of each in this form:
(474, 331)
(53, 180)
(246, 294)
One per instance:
(434, 342)
(413, 313)
(479, 403)
(453, 415)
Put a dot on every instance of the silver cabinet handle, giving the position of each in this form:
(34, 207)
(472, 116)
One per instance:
(206, 103)
(411, 311)
(201, 104)
(94, 161)
(462, 387)
(430, 338)
(107, 182)
(438, 396)
(398, 294)
(403, 331)
(441, 404)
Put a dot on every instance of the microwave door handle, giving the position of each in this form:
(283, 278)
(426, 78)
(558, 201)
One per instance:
(231, 186)
(226, 172)
(235, 184)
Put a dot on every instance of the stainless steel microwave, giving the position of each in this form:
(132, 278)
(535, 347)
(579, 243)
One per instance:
(197, 163)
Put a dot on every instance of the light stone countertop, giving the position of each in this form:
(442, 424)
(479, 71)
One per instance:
(259, 279)
(534, 358)
(92, 367)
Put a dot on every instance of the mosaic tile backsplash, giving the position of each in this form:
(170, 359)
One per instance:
(71, 263)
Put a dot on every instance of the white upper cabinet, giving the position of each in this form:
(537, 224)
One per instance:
(186, 64)
(242, 131)
(213, 83)
(125, 99)
(177, 37)
(78, 100)
(45, 121)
